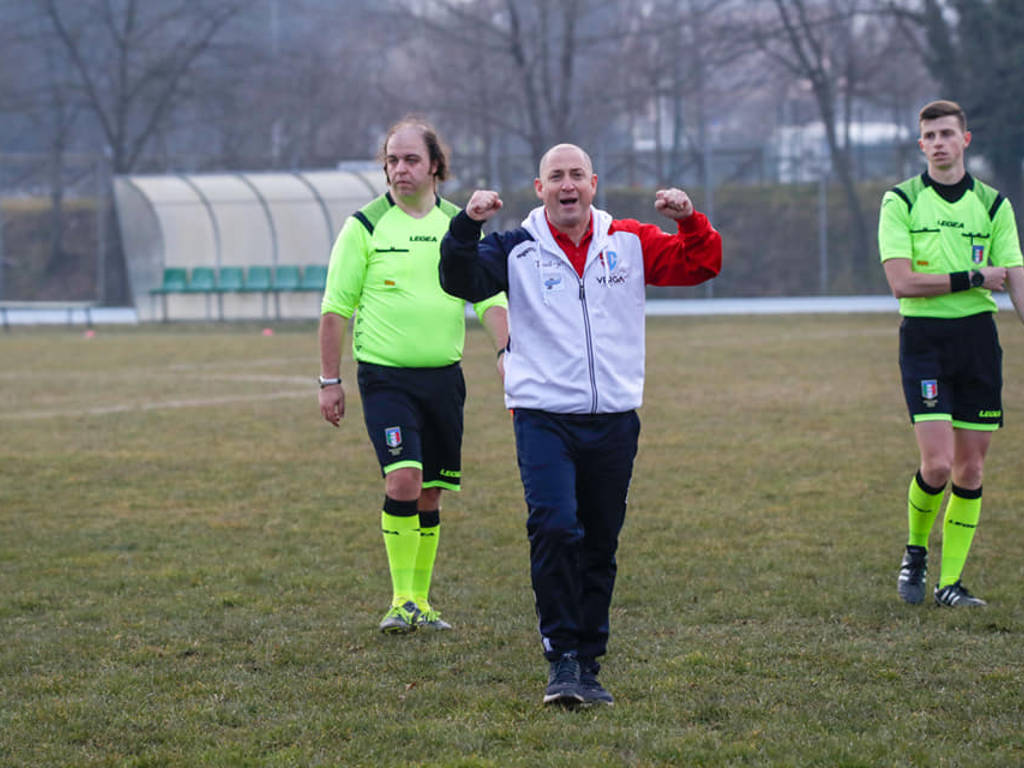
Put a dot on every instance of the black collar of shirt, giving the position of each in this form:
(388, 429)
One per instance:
(949, 192)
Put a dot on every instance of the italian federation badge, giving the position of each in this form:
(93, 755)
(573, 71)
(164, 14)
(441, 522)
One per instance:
(978, 254)
(393, 438)
(930, 392)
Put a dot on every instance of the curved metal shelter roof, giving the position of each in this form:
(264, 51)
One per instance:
(235, 219)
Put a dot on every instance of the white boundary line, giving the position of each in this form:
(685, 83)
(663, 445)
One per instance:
(164, 405)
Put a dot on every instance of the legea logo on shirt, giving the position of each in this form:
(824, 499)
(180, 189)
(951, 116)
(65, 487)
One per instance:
(422, 238)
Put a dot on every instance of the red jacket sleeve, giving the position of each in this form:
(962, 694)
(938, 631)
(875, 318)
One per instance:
(689, 257)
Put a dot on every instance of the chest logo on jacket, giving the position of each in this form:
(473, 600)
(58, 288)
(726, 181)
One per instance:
(611, 260)
(551, 276)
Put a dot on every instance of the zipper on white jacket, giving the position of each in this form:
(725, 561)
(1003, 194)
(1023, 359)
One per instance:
(590, 348)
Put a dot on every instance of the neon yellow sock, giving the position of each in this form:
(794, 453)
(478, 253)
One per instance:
(923, 504)
(401, 542)
(962, 515)
(430, 534)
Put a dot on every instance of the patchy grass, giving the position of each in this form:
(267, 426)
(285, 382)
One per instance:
(192, 571)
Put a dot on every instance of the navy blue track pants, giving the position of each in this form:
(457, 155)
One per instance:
(576, 470)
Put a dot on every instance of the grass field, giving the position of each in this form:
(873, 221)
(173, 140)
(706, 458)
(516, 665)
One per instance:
(191, 570)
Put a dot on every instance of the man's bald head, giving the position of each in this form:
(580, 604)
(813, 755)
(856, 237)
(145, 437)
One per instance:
(565, 150)
(566, 184)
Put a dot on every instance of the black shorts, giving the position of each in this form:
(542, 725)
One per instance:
(414, 419)
(953, 370)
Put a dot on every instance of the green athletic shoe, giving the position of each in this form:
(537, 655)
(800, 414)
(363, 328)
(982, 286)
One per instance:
(401, 619)
(431, 619)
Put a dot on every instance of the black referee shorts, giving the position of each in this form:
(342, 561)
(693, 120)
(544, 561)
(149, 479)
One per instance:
(952, 370)
(414, 419)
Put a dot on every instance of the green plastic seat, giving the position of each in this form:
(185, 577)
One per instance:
(202, 280)
(175, 281)
(286, 278)
(314, 278)
(230, 279)
(257, 279)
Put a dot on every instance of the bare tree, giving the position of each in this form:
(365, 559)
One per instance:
(975, 49)
(277, 92)
(540, 63)
(42, 98)
(130, 61)
(679, 59)
(822, 43)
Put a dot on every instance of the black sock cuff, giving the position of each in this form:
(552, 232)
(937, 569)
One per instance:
(430, 518)
(400, 508)
(966, 493)
(927, 488)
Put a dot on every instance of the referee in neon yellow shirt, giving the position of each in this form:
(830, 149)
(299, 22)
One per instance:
(408, 337)
(946, 241)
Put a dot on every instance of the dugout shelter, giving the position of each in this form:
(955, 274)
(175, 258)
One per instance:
(235, 246)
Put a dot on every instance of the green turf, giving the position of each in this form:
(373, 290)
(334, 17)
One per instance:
(191, 570)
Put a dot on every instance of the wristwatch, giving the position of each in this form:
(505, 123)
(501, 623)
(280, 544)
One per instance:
(328, 382)
(977, 278)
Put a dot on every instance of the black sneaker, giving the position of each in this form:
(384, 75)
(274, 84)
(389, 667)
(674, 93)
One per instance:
(593, 692)
(956, 595)
(910, 584)
(564, 682)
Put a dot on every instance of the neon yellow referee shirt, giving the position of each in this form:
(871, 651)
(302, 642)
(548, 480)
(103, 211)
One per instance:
(976, 230)
(383, 269)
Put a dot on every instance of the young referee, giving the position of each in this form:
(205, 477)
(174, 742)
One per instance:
(946, 240)
(407, 340)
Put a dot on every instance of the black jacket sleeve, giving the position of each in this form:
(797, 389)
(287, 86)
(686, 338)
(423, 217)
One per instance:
(471, 268)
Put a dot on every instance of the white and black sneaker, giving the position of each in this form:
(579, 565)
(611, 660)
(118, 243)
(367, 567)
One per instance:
(956, 595)
(564, 682)
(913, 569)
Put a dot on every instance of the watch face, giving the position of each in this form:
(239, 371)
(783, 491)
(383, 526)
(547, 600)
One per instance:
(977, 279)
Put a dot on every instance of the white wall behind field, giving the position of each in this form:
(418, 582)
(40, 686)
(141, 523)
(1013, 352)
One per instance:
(24, 314)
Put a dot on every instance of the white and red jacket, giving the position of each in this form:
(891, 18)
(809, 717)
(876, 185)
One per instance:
(576, 344)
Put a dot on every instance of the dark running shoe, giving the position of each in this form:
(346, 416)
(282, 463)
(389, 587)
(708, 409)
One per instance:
(564, 682)
(593, 692)
(956, 595)
(910, 584)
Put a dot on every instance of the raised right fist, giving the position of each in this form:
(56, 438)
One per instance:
(483, 204)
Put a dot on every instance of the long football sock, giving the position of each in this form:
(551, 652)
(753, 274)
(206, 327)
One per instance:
(962, 514)
(399, 524)
(430, 533)
(923, 502)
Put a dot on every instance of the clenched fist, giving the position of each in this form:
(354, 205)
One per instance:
(673, 203)
(483, 204)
